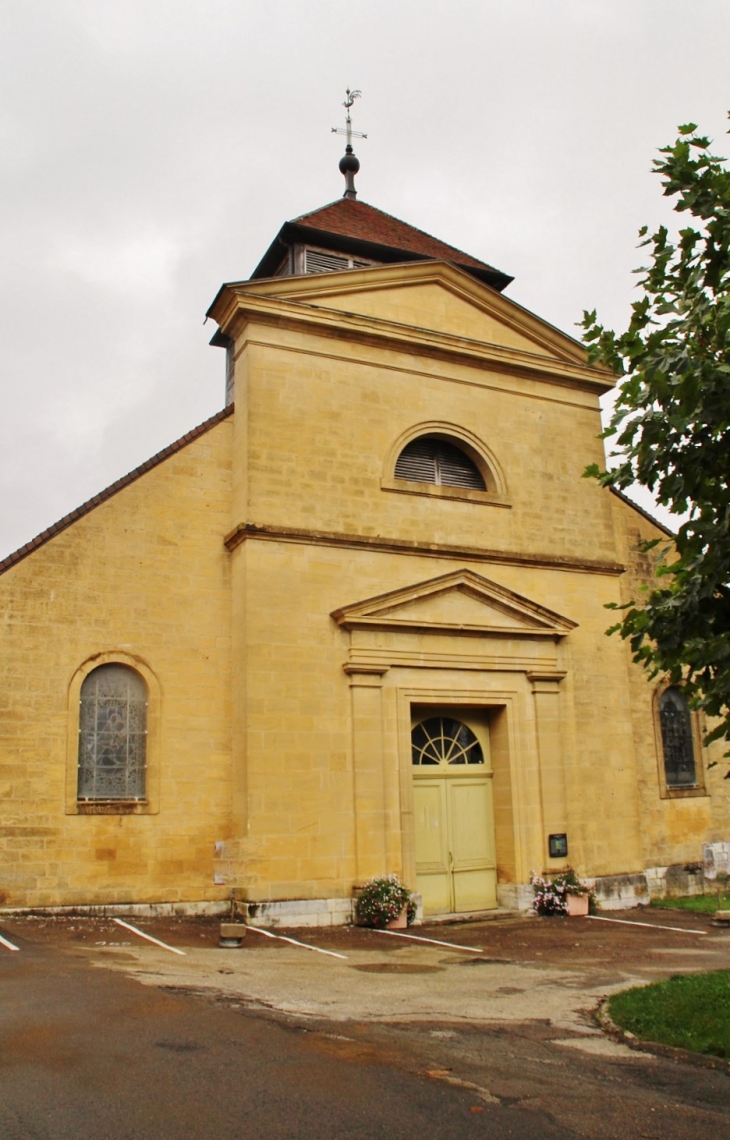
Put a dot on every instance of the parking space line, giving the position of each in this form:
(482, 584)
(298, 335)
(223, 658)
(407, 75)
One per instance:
(306, 946)
(141, 933)
(651, 925)
(433, 941)
(8, 945)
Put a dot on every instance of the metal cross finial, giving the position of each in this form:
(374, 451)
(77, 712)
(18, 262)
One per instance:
(349, 164)
(347, 129)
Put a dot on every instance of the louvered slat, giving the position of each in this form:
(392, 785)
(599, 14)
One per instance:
(316, 262)
(417, 462)
(429, 460)
(455, 469)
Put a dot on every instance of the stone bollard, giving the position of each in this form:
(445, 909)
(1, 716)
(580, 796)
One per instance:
(232, 935)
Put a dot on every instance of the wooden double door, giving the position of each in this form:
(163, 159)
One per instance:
(454, 813)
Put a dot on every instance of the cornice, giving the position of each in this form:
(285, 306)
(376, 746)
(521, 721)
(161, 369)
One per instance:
(247, 532)
(313, 288)
(241, 304)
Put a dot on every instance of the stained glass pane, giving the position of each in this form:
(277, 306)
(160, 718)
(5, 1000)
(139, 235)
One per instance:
(676, 726)
(112, 735)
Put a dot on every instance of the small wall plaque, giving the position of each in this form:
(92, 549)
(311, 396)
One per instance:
(558, 846)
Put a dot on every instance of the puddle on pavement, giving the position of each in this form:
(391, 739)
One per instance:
(476, 961)
(683, 950)
(116, 956)
(397, 968)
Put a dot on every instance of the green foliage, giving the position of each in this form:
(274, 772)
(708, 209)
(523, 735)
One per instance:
(382, 900)
(687, 1011)
(671, 427)
(697, 904)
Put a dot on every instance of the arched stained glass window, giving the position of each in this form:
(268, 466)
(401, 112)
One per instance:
(112, 735)
(444, 741)
(429, 459)
(677, 743)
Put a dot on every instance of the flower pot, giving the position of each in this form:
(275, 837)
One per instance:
(577, 905)
(399, 923)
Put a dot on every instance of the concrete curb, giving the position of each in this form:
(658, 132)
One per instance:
(611, 1029)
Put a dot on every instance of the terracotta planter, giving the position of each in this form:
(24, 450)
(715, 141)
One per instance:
(399, 923)
(577, 905)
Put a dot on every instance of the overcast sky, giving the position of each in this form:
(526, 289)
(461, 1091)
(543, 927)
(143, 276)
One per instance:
(151, 149)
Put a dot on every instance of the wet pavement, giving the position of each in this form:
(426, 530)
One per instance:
(494, 1032)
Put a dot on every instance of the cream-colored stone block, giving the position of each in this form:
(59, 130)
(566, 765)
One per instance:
(285, 733)
(143, 579)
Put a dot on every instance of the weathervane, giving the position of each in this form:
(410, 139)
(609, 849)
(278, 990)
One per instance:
(349, 164)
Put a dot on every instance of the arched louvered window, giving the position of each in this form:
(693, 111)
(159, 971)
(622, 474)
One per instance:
(433, 460)
(112, 734)
(675, 721)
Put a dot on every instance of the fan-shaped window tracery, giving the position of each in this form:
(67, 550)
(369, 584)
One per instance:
(444, 741)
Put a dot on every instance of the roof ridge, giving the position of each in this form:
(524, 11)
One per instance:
(113, 488)
(334, 202)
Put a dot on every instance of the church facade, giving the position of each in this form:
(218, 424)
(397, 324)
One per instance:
(354, 624)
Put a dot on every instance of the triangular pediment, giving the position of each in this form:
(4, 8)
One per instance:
(431, 296)
(462, 602)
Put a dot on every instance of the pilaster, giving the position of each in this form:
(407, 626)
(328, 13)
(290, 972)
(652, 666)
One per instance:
(545, 694)
(370, 806)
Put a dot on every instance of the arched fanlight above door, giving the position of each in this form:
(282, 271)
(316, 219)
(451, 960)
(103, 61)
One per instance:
(444, 741)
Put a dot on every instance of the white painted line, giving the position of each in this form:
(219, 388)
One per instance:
(8, 945)
(141, 933)
(651, 925)
(283, 938)
(434, 941)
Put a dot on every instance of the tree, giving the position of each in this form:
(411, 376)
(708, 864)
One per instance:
(671, 426)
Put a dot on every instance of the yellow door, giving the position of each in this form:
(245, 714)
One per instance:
(454, 817)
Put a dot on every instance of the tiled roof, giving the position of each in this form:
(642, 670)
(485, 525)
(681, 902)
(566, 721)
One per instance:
(358, 220)
(351, 226)
(112, 489)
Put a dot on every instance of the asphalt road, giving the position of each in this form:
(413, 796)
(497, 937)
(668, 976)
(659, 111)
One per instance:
(87, 1051)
